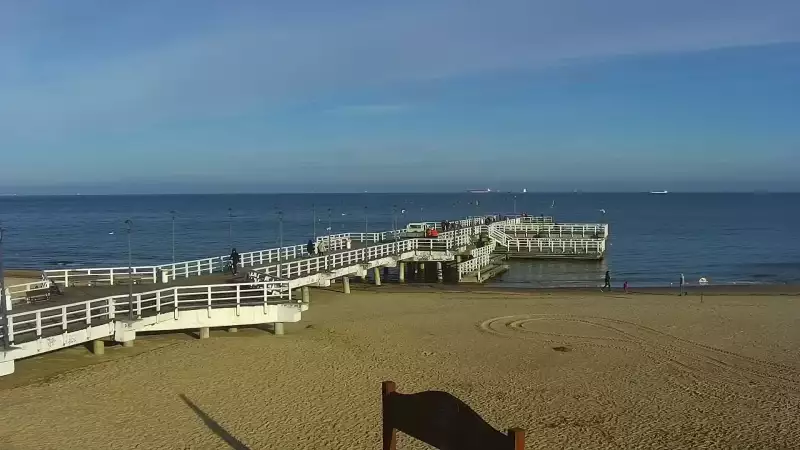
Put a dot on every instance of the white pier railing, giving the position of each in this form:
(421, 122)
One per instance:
(27, 333)
(558, 230)
(557, 246)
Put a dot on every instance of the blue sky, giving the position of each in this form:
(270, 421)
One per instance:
(213, 96)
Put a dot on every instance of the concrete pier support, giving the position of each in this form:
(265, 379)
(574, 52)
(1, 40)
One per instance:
(364, 279)
(99, 347)
(346, 285)
(127, 344)
(277, 328)
(402, 272)
(6, 368)
(306, 294)
(458, 259)
(233, 330)
(377, 275)
(205, 333)
(439, 273)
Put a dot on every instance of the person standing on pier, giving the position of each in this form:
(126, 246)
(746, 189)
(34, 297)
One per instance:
(234, 261)
(608, 281)
(310, 248)
(683, 282)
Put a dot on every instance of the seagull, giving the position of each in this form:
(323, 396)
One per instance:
(402, 211)
(111, 232)
(603, 211)
(344, 214)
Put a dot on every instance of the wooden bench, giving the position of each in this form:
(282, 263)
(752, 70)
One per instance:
(37, 295)
(441, 420)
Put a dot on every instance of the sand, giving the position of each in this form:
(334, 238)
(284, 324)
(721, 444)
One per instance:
(575, 369)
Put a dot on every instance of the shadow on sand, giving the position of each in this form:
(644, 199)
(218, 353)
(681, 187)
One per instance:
(441, 420)
(214, 426)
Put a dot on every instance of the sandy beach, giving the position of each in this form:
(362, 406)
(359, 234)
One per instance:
(576, 369)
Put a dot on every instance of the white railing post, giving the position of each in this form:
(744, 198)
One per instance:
(208, 292)
(64, 318)
(158, 301)
(38, 324)
(88, 313)
(9, 331)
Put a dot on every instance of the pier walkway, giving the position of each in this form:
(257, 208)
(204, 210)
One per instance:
(117, 303)
(95, 304)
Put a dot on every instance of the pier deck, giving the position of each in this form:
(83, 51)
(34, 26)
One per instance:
(95, 303)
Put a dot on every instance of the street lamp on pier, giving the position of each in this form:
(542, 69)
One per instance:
(314, 219)
(366, 221)
(3, 305)
(280, 241)
(330, 228)
(129, 225)
(173, 237)
(230, 227)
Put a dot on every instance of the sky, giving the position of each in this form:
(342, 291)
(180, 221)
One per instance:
(312, 95)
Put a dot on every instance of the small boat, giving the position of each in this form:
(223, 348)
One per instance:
(479, 191)
(659, 192)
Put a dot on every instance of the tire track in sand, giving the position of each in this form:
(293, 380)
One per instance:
(710, 369)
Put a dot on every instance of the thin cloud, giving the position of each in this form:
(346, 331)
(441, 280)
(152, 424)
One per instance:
(369, 110)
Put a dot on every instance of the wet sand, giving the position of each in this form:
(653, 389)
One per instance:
(575, 368)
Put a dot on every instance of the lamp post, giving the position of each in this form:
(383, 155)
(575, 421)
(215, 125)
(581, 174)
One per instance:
(173, 238)
(130, 270)
(330, 228)
(280, 241)
(230, 227)
(366, 221)
(314, 219)
(394, 220)
(3, 309)
(515, 205)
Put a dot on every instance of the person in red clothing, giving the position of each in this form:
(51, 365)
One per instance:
(434, 233)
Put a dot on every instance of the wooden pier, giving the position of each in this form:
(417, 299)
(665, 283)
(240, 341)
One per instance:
(74, 306)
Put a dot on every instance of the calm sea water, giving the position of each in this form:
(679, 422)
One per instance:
(727, 238)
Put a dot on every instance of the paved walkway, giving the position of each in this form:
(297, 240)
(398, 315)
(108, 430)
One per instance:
(76, 294)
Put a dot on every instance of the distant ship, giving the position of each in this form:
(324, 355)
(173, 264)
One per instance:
(479, 191)
(524, 191)
(659, 192)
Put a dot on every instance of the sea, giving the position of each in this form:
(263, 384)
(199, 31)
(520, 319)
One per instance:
(725, 238)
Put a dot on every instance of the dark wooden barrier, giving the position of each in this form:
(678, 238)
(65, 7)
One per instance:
(441, 420)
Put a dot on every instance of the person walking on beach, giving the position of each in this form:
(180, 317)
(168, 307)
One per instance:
(625, 286)
(608, 281)
(682, 281)
(234, 260)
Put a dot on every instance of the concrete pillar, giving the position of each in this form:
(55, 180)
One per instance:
(233, 330)
(402, 272)
(346, 284)
(277, 328)
(6, 367)
(205, 333)
(377, 276)
(439, 274)
(458, 259)
(306, 294)
(98, 347)
(127, 344)
(364, 278)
